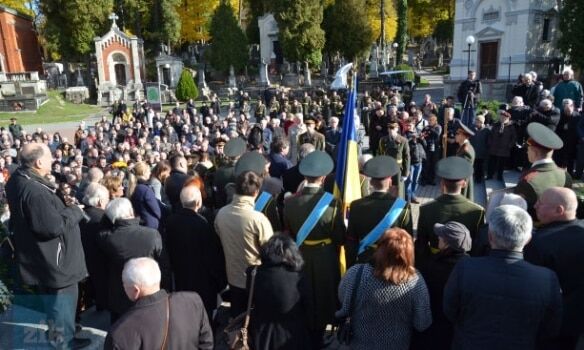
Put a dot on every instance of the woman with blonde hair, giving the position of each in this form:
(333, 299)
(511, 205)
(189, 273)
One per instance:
(391, 299)
(143, 199)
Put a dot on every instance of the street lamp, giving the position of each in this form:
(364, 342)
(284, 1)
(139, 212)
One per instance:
(394, 45)
(470, 40)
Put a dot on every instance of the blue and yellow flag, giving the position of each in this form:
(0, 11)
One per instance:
(347, 182)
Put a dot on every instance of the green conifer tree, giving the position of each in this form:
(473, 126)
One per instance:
(229, 44)
(186, 87)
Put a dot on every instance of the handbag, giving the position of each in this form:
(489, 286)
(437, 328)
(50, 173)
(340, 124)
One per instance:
(344, 328)
(236, 330)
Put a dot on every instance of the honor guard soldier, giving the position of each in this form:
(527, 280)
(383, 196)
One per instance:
(397, 147)
(312, 136)
(450, 206)
(314, 218)
(543, 173)
(224, 174)
(265, 203)
(370, 216)
(466, 150)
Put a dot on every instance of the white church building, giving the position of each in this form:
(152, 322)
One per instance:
(505, 38)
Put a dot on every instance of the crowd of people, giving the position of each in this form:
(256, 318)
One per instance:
(157, 217)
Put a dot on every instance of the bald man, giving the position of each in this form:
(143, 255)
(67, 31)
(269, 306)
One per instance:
(158, 319)
(49, 250)
(559, 245)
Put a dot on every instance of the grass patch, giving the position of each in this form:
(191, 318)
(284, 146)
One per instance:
(55, 110)
(423, 82)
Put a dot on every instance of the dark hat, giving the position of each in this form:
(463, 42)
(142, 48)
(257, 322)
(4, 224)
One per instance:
(317, 163)
(309, 120)
(220, 141)
(454, 168)
(380, 167)
(544, 137)
(250, 161)
(456, 235)
(465, 129)
(235, 147)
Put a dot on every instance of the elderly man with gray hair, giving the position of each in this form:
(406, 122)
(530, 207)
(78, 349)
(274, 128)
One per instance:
(558, 244)
(158, 320)
(126, 240)
(195, 251)
(568, 88)
(501, 301)
(96, 199)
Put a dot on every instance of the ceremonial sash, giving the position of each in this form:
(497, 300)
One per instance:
(262, 201)
(384, 224)
(313, 218)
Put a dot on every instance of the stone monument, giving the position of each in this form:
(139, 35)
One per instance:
(169, 68)
(120, 65)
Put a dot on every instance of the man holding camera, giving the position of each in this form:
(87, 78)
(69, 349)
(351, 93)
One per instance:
(468, 94)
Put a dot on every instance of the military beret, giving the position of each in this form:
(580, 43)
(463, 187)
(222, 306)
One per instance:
(317, 163)
(250, 161)
(235, 147)
(380, 167)
(454, 168)
(543, 137)
(465, 129)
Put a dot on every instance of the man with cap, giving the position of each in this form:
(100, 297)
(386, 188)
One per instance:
(453, 242)
(450, 206)
(15, 129)
(314, 218)
(543, 173)
(224, 173)
(366, 213)
(265, 202)
(397, 147)
(466, 150)
(312, 136)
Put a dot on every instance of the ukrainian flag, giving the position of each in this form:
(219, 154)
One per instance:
(347, 182)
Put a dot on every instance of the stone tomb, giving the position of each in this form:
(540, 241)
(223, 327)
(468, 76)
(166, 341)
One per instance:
(120, 65)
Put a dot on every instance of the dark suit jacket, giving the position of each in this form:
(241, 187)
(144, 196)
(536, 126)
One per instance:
(143, 326)
(279, 165)
(502, 302)
(559, 246)
(173, 186)
(196, 256)
(292, 179)
(146, 206)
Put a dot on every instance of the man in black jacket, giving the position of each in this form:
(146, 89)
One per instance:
(174, 182)
(558, 244)
(158, 320)
(48, 242)
(195, 250)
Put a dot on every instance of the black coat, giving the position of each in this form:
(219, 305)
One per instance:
(280, 300)
(559, 246)
(94, 258)
(502, 302)
(196, 256)
(173, 186)
(143, 326)
(436, 271)
(292, 179)
(128, 240)
(46, 232)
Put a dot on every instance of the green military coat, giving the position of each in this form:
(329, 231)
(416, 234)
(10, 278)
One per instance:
(446, 207)
(398, 149)
(223, 175)
(539, 178)
(321, 261)
(317, 139)
(364, 215)
(467, 152)
(271, 212)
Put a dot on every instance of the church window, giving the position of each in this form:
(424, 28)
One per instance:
(546, 30)
(490, 16)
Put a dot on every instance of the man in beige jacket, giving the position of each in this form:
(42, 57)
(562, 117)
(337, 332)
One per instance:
(242, 231)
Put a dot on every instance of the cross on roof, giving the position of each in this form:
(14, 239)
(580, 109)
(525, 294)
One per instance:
(113, 17)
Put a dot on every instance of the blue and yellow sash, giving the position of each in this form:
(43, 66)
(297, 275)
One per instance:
(313, 218)
(384, 224)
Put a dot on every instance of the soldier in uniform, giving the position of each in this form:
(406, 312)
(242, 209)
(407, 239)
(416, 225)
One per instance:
(367, 212)
(450, 206)
(397, 147)
(224, 173)
(260, 111)
(312, 136)
(321, 247)
(253, 161)
(466, 151)
(543, 173)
